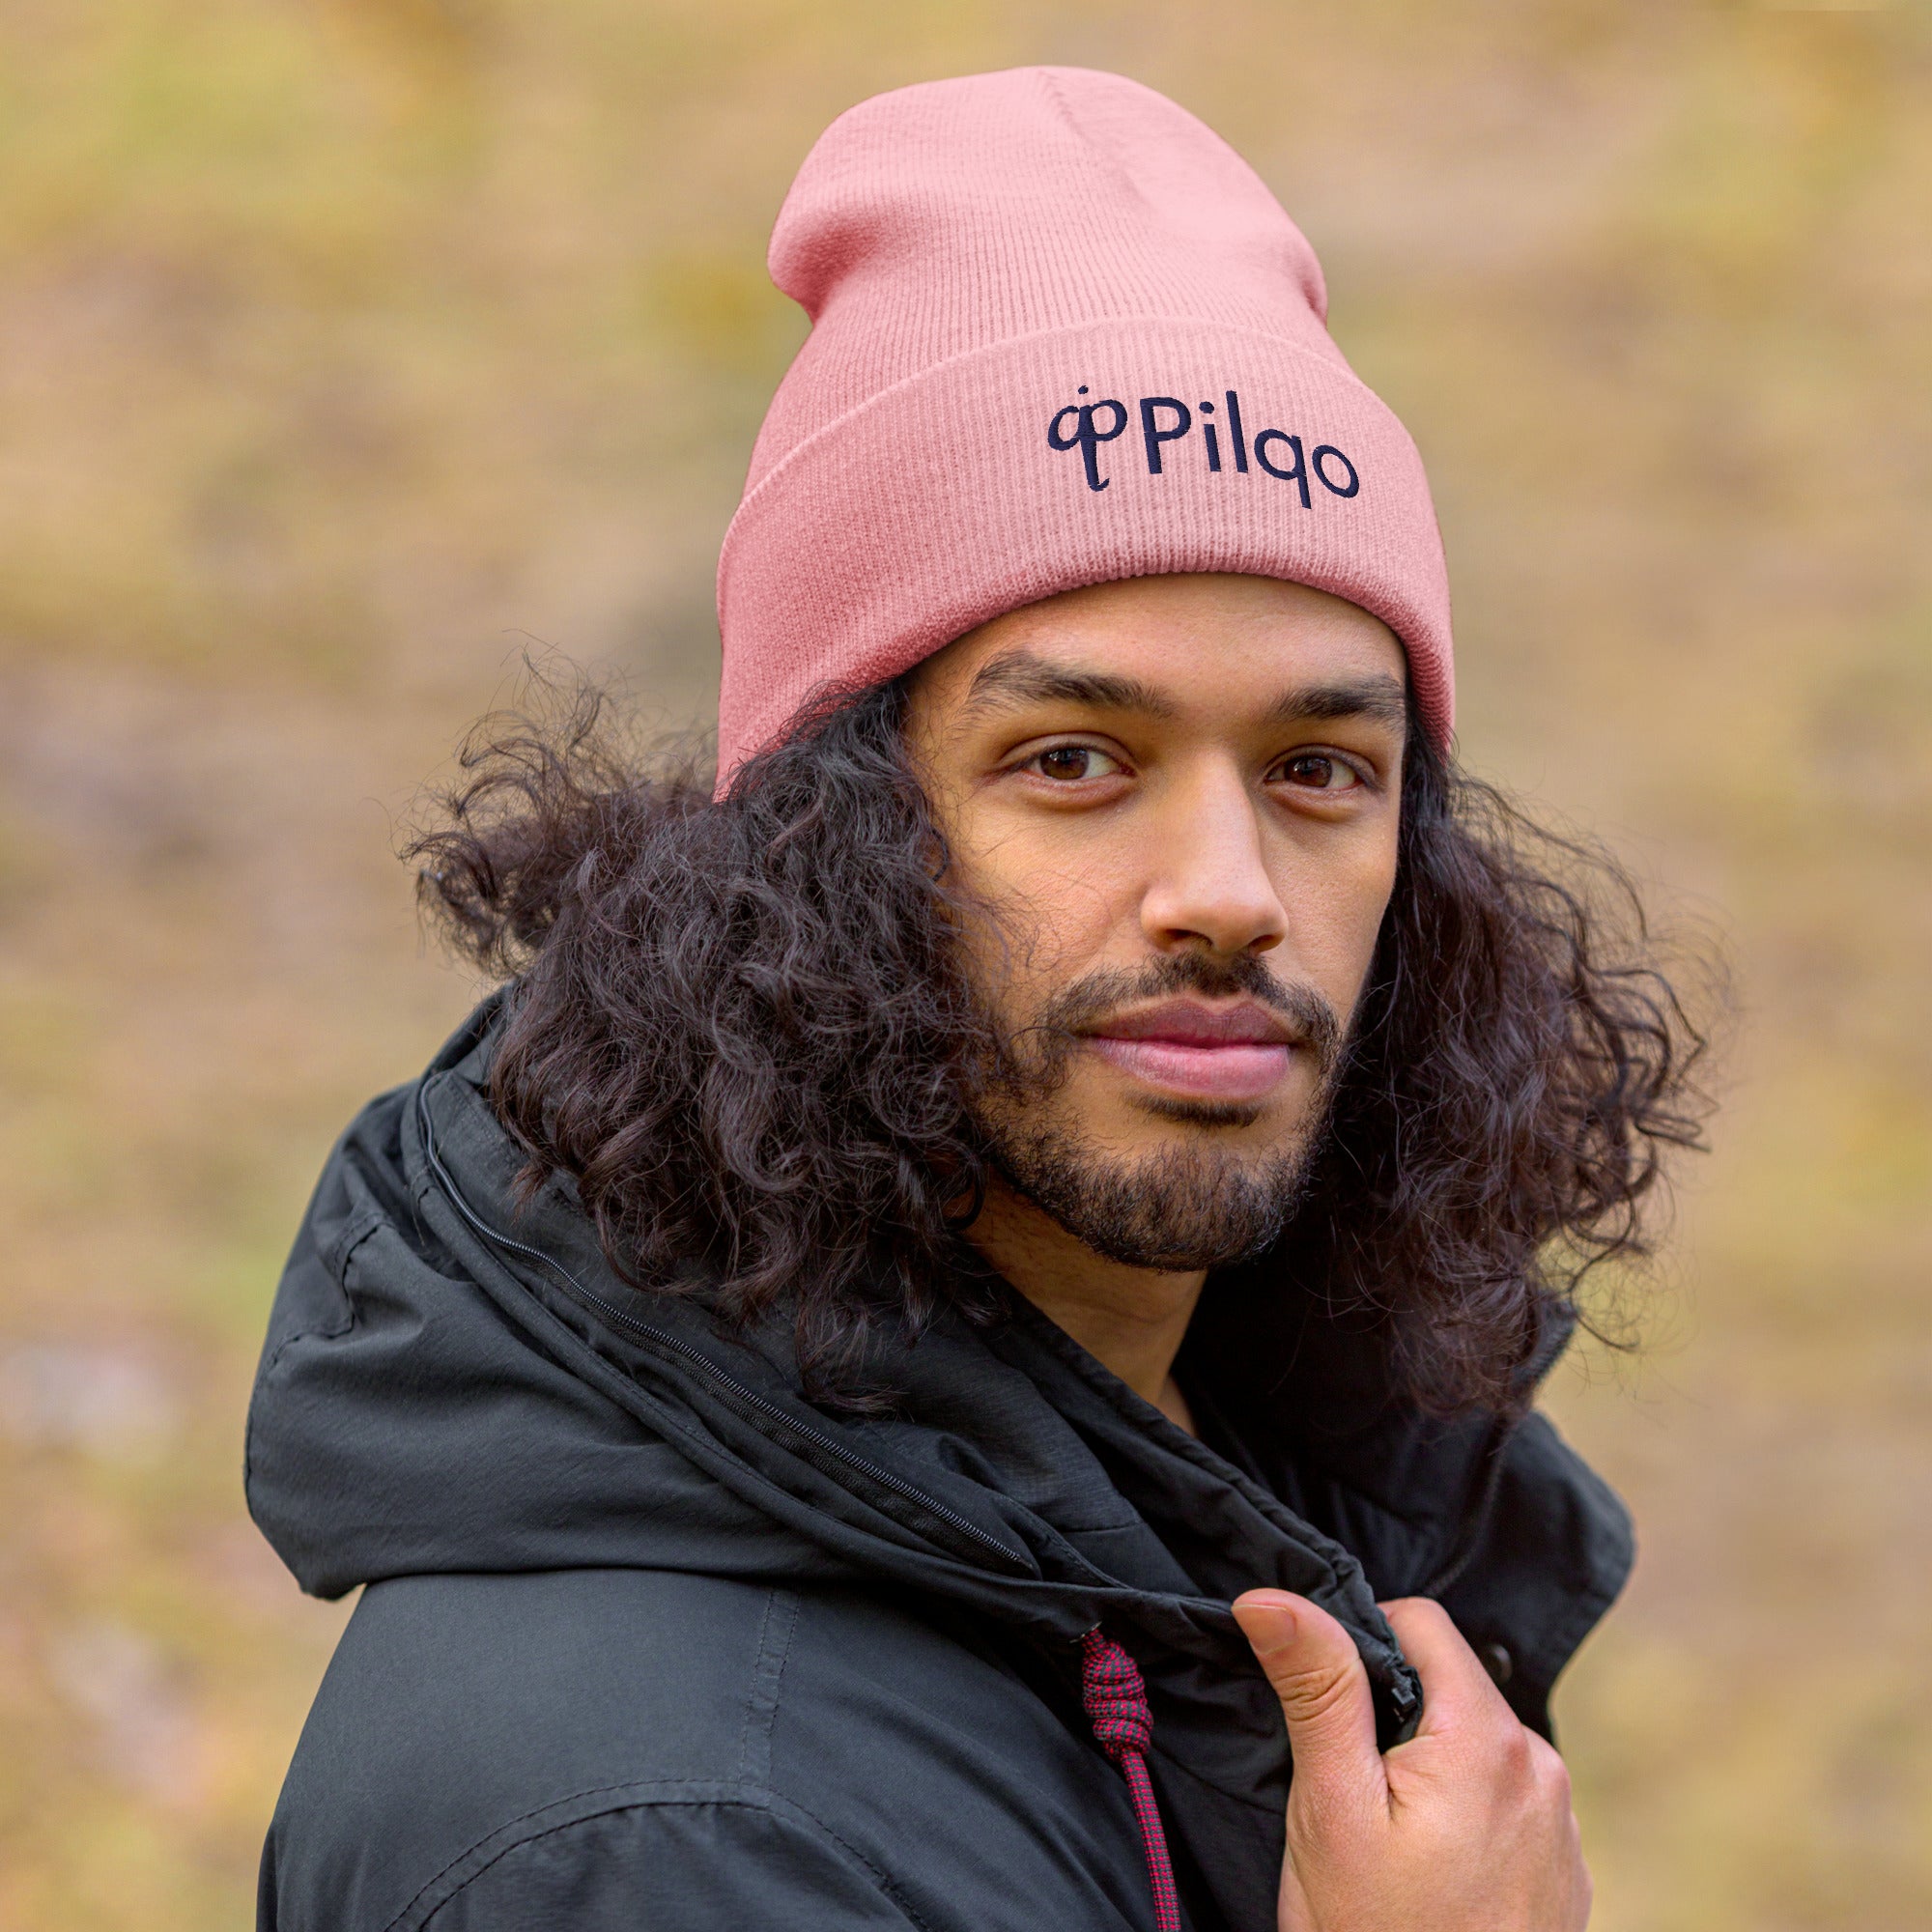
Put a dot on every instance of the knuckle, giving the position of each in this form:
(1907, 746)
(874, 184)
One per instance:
(1515, 1748)
(1308, 1696)
(1416, 1611)
(1513, 1763)
(1548, 1771)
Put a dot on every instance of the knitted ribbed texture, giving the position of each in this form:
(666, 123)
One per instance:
(1117, 1707)
(1061, 334)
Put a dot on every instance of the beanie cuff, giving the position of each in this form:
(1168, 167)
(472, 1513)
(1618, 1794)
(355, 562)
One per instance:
(1128, 447)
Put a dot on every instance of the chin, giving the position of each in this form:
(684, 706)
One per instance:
(1145, 1119)
(1195, 1112)
(1175, 1200)
(1234, 1135)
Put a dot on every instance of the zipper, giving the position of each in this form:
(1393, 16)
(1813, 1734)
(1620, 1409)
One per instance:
(662, 1338)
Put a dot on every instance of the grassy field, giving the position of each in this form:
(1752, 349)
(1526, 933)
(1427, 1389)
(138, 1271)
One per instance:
(348, 349)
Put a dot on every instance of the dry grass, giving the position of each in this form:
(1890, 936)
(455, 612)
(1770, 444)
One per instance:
(349, 345)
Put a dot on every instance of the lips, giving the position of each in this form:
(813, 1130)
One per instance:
(1238, 1053)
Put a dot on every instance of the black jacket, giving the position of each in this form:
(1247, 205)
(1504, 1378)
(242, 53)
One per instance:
(647, 1640)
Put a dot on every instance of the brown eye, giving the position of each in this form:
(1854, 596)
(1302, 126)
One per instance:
(1070, 763)
(1316, 770)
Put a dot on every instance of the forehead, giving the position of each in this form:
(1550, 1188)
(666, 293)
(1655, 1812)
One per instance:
(1181, 643)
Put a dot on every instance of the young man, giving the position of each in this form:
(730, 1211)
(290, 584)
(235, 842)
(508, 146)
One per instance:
(881, 1380)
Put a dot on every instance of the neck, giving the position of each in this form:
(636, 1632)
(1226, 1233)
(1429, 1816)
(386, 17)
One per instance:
(1129, 1320)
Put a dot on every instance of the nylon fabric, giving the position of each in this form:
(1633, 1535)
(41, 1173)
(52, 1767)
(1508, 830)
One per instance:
(605, 1546)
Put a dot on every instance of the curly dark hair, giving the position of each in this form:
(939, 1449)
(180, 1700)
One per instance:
(741, 1027)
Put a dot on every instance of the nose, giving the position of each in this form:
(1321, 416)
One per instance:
(1209, 884)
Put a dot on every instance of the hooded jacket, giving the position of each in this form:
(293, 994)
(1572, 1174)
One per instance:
(648, 1639)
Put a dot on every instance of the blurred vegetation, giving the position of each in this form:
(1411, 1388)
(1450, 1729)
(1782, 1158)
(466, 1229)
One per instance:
(350, 345)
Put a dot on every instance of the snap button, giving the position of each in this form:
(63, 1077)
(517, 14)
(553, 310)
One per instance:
(1498, 1661)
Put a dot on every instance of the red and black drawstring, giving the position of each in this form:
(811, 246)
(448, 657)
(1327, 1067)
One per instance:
(1115, 1696)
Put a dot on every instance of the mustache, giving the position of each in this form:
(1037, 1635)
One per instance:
(1075, 1007)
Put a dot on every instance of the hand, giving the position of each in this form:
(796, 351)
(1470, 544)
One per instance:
(1466, 1827)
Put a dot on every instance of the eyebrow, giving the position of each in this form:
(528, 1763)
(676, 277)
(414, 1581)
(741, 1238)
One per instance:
(1381, 698)
(1017, 677)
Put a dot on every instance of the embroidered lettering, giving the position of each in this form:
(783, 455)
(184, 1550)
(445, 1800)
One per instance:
(1164, 419)
(1085, 437)
(1318, 460)
(1153, 436)
(1297, 474)
(1234, 433)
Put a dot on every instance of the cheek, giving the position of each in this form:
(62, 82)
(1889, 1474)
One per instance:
(1335, 918)
(1049, 915)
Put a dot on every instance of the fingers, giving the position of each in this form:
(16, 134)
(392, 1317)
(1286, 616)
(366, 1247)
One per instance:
(1456, 1689)
(1467, 1827)
(1312, 1663)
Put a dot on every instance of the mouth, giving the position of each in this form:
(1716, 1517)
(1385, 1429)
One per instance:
(1240, 1052)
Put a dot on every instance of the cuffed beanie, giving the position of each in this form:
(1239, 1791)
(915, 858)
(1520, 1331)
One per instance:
(1061, 334)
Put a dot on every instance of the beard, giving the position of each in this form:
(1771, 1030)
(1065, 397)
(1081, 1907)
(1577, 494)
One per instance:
(1197, 1205)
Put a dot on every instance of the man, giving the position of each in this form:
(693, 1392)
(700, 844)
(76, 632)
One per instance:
(880, 1381)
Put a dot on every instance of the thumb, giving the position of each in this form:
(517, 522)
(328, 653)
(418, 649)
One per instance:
(1312, 1663)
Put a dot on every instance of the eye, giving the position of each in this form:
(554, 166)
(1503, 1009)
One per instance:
(1070, 764)
(1318, 771)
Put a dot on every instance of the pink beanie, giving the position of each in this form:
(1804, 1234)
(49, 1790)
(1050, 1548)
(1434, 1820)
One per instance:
(1061, 334)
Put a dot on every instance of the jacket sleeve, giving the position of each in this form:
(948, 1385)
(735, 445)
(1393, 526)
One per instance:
(678, 1864)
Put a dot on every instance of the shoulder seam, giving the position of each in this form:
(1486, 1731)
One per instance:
(335, 1260)
(431, 1898)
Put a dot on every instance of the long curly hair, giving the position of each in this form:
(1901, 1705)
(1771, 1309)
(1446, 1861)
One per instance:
(742, 1029)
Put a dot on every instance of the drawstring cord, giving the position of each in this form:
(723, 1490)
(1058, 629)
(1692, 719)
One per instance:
(1115, 1696)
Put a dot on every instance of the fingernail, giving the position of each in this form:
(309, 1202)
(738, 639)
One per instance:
(1274, 1612)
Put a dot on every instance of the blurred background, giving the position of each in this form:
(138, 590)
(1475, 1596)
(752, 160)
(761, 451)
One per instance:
(350, 348)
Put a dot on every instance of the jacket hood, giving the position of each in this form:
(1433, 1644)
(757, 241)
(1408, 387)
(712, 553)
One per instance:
(452, 1384)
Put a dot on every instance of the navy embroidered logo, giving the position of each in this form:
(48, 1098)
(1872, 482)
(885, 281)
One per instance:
(1086, 435)
(1166, 420)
